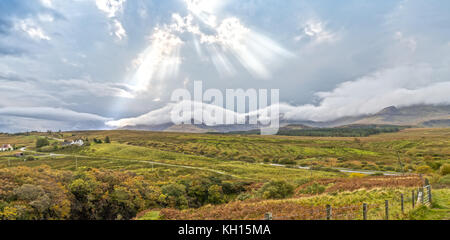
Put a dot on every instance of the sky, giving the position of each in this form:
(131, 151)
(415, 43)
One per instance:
(100, 64)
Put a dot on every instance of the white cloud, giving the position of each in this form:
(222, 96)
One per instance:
(409, 42)
(47, 113)
(316, 31)
(16, 119)
(32, 29)
(205, 10)
(164, 115)
(118, 30)
(55, 92)
(401, 86)
(112, 9)
(81, 86)
(46, 18)
(47, 3)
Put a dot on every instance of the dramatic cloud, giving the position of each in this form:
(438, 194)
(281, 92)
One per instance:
(225, 40)
(401, 87)
(119, 59)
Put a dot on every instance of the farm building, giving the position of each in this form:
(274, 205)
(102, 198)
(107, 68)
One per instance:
(6, 147)
(78, 142)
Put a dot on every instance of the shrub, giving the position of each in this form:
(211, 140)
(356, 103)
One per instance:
(287, 161)
(48, 149)
(357, 175)
(175, 195)
(324, 169)
(247, 159)
(389, 168)
(276, 190)
(445, 180)
(215, 194)
(445, 169)
(377, 174)
(42, 142)
(434, 165)
(424, 169)
(243, 196)
(315, 188)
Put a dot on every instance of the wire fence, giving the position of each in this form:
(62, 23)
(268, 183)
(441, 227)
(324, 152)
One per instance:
(393, 208)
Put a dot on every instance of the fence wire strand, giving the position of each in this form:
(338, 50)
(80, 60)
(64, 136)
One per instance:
(373, 211)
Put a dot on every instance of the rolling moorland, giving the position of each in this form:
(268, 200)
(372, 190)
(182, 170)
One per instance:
(159, 175)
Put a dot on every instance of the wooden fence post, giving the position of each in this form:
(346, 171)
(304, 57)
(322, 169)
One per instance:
(413, 199)
(386, 203)
(329, 214)
(403, 207)
(268, 216)
(364, 211)
(422, 196)
(429, 194)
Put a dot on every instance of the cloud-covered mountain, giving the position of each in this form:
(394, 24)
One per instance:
(416, 116)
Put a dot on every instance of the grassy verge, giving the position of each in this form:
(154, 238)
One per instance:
(439, 210)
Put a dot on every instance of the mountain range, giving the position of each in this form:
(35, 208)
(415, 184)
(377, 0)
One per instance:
(414, 116)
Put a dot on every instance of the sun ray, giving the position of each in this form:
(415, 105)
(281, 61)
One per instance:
(228, 42)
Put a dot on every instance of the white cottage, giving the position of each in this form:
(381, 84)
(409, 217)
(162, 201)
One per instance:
(6, 147)
(78, 142)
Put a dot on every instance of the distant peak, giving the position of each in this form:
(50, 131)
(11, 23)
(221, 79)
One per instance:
(389, 110)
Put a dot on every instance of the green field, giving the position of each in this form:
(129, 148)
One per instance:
(163, 175)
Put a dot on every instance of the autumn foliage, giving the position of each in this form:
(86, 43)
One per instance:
(44, 193)
(351, 184)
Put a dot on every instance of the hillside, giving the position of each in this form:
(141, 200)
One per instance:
(412, 116)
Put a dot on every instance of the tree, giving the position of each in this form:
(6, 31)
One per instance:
(107, 140)
(176, 195)
(42, 142)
